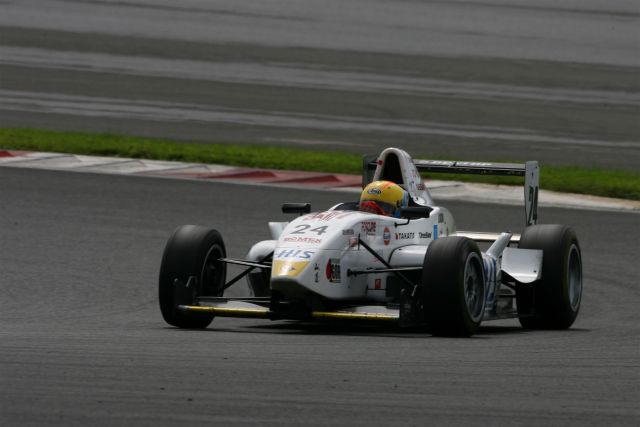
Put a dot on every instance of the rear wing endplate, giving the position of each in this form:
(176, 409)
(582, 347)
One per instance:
(529, 170)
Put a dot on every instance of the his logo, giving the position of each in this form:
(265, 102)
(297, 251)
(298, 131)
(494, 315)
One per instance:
(294, 254)
(386, 236)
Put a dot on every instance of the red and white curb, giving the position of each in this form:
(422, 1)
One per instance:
(441, 190)
(125, 166)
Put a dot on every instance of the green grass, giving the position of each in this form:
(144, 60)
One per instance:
(599, 182)
(158, 149)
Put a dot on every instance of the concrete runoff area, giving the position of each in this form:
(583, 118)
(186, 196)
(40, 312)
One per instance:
(83, 341)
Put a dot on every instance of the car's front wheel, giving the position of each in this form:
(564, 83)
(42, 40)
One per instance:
(191, 252)
(453, 287)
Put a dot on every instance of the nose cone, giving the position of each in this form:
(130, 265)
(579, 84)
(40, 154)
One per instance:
(282, 268)
(291, 262)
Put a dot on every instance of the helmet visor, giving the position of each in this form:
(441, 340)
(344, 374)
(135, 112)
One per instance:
(383, 207)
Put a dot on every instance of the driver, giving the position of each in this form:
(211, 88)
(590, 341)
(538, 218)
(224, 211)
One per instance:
(383, 198)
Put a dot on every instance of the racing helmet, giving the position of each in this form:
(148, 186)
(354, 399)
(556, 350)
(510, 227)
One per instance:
(383, 198)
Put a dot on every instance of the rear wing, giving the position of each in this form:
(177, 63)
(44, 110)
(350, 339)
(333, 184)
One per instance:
(529, 170)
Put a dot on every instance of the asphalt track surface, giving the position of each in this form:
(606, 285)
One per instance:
(82, 341)
(474, 79)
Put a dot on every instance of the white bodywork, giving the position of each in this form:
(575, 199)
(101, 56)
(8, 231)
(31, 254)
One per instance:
(318, 252)
(311, 242)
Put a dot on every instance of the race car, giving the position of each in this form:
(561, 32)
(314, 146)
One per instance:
(412, 268)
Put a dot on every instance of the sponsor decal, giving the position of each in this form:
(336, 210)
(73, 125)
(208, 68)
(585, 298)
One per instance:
(420, 186)
(353, 242)
(288, 268)
(375, 191)
(450, 163)
(348, 232)
(378, 284)
(333, 270)
(327, 216)
(435, 231)
(404, 236)
(386, 236)
(425, 235)
(316, 270)
(294, 254)
(306, 228)
(490, 268)
(472, 164)
(437, 162)
(369, 227)
(440, 218)
(301, 239)
(420, 201)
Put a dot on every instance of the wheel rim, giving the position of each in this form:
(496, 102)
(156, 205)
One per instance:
(212, 271)
(574, 277)
(474, 287)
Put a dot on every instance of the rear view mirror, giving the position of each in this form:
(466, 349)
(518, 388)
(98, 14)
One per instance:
(299, 208)
(416, 212)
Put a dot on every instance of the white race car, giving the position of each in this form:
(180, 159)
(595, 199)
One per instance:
(417, 269)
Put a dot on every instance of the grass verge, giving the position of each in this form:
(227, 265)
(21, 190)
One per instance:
(599, 182)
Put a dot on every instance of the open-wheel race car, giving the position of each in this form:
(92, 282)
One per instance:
(411, 266)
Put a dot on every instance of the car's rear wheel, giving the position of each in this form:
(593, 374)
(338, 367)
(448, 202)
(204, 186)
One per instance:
(553, 301)
(192, 251)
(453, 287)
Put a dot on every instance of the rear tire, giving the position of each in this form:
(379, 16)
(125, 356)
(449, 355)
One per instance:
(191, 251)
(453, 287)
(553, 301)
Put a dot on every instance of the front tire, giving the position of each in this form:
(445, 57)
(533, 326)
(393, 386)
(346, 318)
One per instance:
(192, 251)
(553, 301)
(454, 287)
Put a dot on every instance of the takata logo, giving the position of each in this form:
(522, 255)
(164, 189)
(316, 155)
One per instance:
(404, 236)
(294, 254)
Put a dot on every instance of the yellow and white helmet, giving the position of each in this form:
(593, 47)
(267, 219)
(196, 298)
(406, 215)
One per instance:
(383, 198)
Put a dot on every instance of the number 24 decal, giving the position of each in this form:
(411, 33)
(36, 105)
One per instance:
(304, 228)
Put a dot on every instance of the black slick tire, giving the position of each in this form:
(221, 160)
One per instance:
(192, 251)
(453, 287)
(553, 301)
